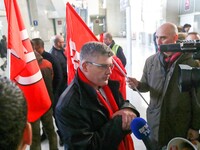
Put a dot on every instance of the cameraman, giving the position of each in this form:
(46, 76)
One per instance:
(193, 36)
(171, 113)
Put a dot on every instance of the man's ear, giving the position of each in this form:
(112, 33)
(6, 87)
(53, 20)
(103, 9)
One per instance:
(84, 66)
(27, 136)
(176, 37)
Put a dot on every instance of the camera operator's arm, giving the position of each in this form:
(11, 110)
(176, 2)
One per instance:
(193, 133)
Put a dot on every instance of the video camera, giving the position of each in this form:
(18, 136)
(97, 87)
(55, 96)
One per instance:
(189, 77)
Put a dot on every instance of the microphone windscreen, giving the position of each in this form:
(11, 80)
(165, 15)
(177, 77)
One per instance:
(140, 128)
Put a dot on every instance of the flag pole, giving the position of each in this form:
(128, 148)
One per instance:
(120, 69)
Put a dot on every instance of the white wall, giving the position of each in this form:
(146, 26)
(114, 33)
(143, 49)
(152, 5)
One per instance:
(115, 18)
(187, 19)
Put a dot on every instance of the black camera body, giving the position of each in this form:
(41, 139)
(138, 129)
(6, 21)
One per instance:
(189, 77)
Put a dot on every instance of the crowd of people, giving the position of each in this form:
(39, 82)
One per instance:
(3, 46)
(92, 112)
(3, 54)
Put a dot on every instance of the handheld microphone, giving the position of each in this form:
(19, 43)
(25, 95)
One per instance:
(141, 130)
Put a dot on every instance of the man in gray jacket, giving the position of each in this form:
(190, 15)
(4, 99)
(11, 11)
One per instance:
(171, 113)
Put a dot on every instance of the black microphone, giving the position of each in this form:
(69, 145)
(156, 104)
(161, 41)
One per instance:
(141, 130)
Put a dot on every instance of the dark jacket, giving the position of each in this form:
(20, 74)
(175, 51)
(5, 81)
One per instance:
(57, 74)
(84, 123)
(59, 54)
(171, 113)
(120, 53)
(47, 73)
(3, 48)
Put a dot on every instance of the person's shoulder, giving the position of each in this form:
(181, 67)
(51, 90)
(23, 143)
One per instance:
(54, 61)
(117, 45)
(48, 56)
(152, 56)
(69, 94)
(47, 53)
(45, 64)
(52, 50)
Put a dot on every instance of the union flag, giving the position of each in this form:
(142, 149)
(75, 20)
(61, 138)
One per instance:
(23, 66)
(78, 33)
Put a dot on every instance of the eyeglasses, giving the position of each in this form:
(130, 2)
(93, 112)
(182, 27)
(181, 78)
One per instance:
(103, 66)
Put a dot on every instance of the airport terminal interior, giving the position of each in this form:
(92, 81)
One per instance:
(131, 22)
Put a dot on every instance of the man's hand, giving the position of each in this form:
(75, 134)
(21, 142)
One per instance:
(192, 134)
(132, 82)
(127, 116)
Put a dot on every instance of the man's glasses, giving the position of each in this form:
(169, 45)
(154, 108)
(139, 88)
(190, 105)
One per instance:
(103, 66)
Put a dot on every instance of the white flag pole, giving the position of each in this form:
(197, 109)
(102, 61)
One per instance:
(120, 69)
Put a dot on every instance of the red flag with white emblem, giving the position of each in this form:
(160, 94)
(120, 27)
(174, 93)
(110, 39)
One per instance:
(78, 33)
(24, 69)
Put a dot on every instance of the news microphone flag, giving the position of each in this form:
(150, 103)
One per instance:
(141, 130)
(23, 66)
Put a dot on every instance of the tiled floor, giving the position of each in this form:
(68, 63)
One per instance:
(139, 53)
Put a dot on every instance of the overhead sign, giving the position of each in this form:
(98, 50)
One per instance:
(35, 22)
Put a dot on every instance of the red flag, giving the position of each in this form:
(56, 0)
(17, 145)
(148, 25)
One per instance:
(119, 76)
(101, 37)
(24, 69)
(78, 33)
